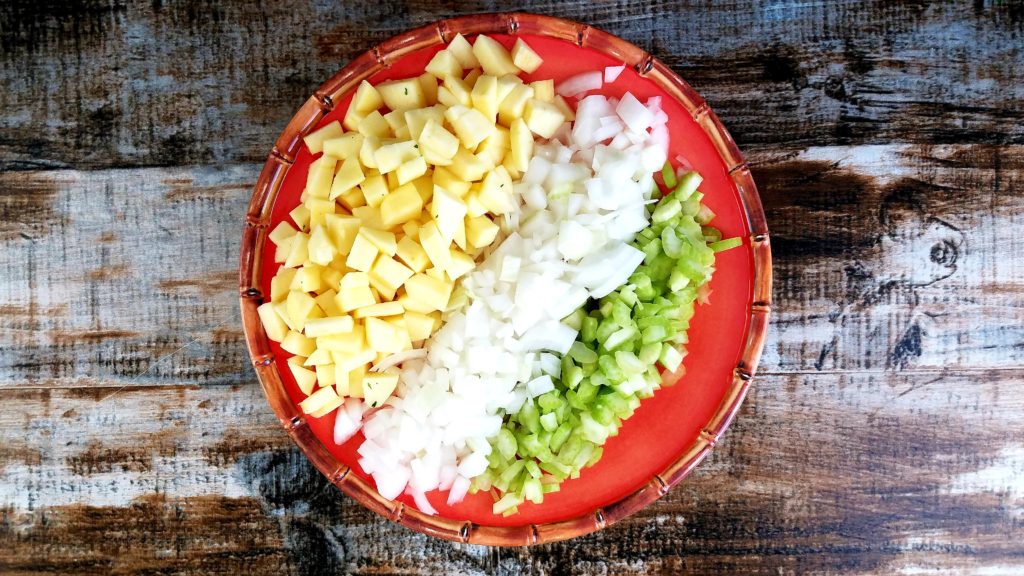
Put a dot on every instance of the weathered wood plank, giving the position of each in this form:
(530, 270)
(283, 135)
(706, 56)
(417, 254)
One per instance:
(109, 83)
(826, 474)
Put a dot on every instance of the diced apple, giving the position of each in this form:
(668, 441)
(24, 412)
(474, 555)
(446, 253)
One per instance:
(342, 231)
(387, 275)
(412, 254)
(402, 94)
(368, 151)
(295, 343)
(467, 166)
(273, 325)
(513, 105)
(383, 240)
(429, 85)
(304, 377)
(485, 96)
(345, 146)
(325, 375)
(321, 251)
(299, 251)
(374, 189)
(436, 138)
(461, 263)
(521, 143)
(327, 326)
(315, 140)
(318, 400)
(379, 310)
(430, 292)
(390, 156)
(435, 245)
(481, 231)
(525, 58)
(544, 90)
(417, 119)
(463, 52)
(543, 118)
(470, 125)
(378, 387)
(363, 253)
(444, 63)
(321, 172)
(493, 57)
(367, 99)
(448, 211)
(400, 206)
(411, 170)
(496, 191)
(374, 124)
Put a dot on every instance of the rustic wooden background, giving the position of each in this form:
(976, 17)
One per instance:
(884, 434)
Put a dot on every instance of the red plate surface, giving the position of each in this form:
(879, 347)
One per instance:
(665, 426)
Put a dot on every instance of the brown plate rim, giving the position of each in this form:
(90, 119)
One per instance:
(257, 224)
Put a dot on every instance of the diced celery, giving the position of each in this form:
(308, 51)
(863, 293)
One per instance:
(668, 174)
(670, 358)
(726, 244)
(581, 353)
(549, 421)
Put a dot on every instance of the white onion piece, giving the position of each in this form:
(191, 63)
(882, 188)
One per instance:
(611, 73)
(398, 358)
(583, 82)
(636, 116)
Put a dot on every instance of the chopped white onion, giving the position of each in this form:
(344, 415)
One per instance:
(611, 73)
(583, 82)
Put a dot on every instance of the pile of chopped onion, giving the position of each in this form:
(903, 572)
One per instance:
(582, 201)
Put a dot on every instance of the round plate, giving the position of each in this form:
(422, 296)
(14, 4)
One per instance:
(671, 432)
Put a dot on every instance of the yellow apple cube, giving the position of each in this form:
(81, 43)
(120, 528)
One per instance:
(461, 264)
(430, 292)
(379, 310)
(315, 140)
(321, 173)
(435, 245)
(448, 211)
(383, 240)
(522, 144)
(328, 326)
(318, 400)
(402, 94)
(429, 85)
(295, 343)
(345, 146)
(367, 99)
(467, 166)
(480, 231)
(378, 387)
(514, 105)
(273, 325)
(299, 251)
(463, 52)
(362, 255)
(444, 63)
(525, 58)
(400, 206)
(543, 118)
(412, 254)
(374, 124)
(304, 377)
(348, 177)
(417, 119)
(320, 249)
(493, 57)
(485, 96)
(470, 125)
(374, 189)
(390, 156)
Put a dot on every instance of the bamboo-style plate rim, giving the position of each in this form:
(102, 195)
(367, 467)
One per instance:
(283, 155)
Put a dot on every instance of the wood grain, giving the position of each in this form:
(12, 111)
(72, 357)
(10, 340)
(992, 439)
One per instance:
(882, 435)
(198, 83)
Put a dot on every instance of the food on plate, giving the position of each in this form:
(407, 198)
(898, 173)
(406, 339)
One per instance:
(485, 279)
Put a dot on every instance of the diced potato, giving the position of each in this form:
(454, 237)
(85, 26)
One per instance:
(328, 408)
(383, 240)
(374, 124)
(390, 156)
(470, 125)
(474, 207)
(352, 199)
(436, 138)
(354, 292)
(378, 387)
(283, 231)
(318, 208)
(513, 105)
(352, 119)
(471, 76)
(295, 343)
(300, 305)
(341, 383)
(308, 277)
(525, 58)
(544, 90)
(448, 212)
(321, 251)
(330, 277)
(327, 303)
(281, 283)
(481, 231)
(419, 325)
(325, 375)
(283, 249)
(400, 206)
(299, 251)
(318, 400)
(461, 263)
(384, 337)
(564, 108)
(273, 325)
(321, 173)
(543, 118)
(315, 140)
(411, 170)
(493, 57)
(395, 119)
(367, 99)
(345, 146)
(496, 191)
(417, 119)
(444, 63)
(485, 96)
(459, 90)
(521, 144)
(411, 229)
(493, 149)
(463, 52)
(429, 85)
(506, 84)
(379, 310)
(424, 187)
(304, 377)
(444, 178)
(392, 179)
(300, 215)
(388, 275)
(362, 255)
(369, 215)
(319, 356)
(430, 292)
(467, 166)
(282, 311)
(343, 344)
(435, 245)
(342, 231)
(327, 326)
(412, 254)
(432, 158)
(437, 273)
(402, 94)
(446, 98)
(374, 189)
(348, 177)
(368, 151)
(355, 381)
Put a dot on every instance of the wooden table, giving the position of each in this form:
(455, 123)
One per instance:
(883, 435)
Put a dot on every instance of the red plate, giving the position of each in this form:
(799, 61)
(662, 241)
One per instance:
(670, 432)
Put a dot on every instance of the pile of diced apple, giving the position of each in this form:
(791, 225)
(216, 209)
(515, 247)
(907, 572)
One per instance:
(396, 209)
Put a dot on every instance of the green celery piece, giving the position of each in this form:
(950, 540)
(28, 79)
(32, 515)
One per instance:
(549, 421)
(505, 444)
(588, 329)
(727, 244)
(688, 184)
(581, 353)
(669, 175)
